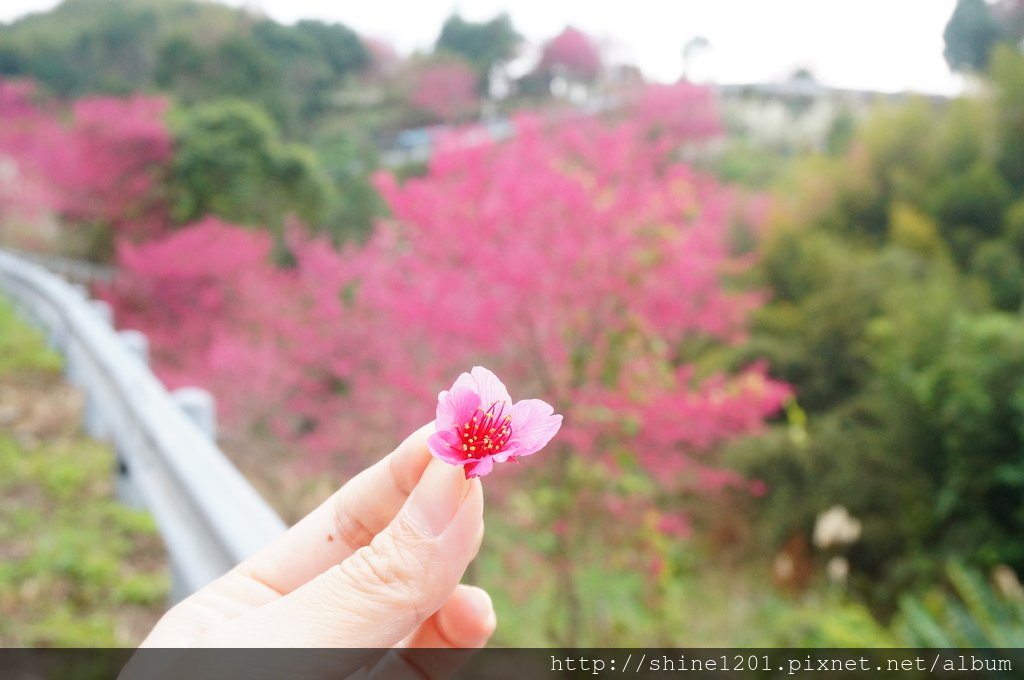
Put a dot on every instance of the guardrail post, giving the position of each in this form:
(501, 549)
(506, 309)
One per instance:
(71, 360)
(95, 419)
(103, 310)
(201, 408)
(127, 491)
(199, 405)
(138, 344)
(209, 517)
(71, 367)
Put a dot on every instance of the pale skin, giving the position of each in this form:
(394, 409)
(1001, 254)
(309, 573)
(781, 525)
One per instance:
(377, 565)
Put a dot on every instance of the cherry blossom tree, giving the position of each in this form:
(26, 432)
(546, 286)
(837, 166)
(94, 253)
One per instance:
(572, 54)
(574, 258)
(107, 171)
(578, 259)
(444, 88)
(98, 164)
(27, 133)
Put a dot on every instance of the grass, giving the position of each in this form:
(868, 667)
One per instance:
(22, 348)
(699, 603)
(77, 568)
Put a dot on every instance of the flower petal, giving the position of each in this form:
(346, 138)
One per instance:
(440, 445)
(489, 387)
(465, 380)
(479, 468)
(456, 406)
(533, 426)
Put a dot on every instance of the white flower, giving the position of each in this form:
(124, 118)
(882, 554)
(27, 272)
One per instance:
(836, 527)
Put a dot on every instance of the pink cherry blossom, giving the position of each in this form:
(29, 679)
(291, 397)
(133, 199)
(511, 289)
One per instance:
(478, 425)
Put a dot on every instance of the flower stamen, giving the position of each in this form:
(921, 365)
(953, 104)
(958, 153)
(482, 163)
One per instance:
(480, 432)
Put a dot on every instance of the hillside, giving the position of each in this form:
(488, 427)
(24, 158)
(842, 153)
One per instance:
(76, 567)
(193, 51)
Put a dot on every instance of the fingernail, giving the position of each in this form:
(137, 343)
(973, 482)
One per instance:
(437, 497)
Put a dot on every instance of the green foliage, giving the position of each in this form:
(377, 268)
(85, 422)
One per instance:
(75, 558)
(1014, 226)
(349, 162)
(198, 51)
(813, 331)
(230, 161)
(827, 621)
(310, 61)
(901, 159)
(91, 45)
(971, 33)
(21, 347)
(841, 132)
(180, 64)
(911, 229)
(236, 66)
(969, 207)
(974, 405)
(676, 599)
(483, 44)
(912, 389)
(973, 615)
(338, 46)
(998, 264)
(963, 135)
(744, 163)
(76, 546)
(888, 314)
(1007, 74)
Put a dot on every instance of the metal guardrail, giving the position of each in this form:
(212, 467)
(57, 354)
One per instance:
(76, 271)
(209, 516)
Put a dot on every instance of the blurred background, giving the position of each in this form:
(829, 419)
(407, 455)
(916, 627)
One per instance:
(766, 258)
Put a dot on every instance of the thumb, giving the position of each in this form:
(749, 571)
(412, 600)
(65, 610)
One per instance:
(385, 590)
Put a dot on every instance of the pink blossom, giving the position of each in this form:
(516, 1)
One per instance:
(478, 425)
(573, 52)
(444, 88)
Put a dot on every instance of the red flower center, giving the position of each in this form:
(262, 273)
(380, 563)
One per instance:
(487, 432)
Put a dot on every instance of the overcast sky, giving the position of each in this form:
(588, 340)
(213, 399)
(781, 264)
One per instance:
(888, 45)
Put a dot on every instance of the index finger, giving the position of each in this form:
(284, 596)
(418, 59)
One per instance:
(345, 522)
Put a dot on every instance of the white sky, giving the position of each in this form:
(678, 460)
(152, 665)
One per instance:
(888, 45)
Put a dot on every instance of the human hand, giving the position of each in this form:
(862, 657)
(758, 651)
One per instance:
(377, 565)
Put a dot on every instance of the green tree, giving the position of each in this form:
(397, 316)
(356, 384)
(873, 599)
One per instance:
(1007, 74)
(337, 45)
(1013, 226)
(236, 66)
(896, 276)
(313, 60)
(975, 403)
(349, 161)
(197, 51)
(996, 262)
(969, 207)
(485, 45)
(86, 46)
(971, 33)
(230, 161)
